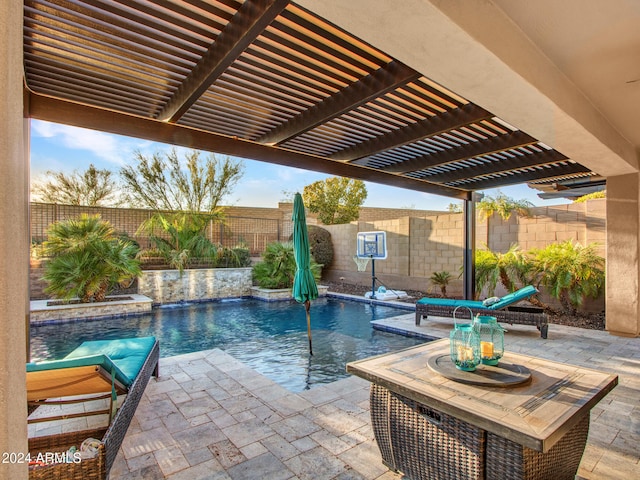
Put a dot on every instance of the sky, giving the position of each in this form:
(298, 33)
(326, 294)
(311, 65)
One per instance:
(62, 148)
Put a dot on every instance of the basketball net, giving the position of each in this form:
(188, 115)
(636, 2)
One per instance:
(361, 262)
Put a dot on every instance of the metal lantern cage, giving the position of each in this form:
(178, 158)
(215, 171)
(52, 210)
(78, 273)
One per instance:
(491, 336)
(464, 342)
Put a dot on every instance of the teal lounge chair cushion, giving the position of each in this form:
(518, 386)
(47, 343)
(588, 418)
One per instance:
(505, 301)
(86, 361)
(514, 297)
(128, 354)
(450, 302)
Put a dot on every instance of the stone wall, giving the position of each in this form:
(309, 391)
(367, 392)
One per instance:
(168, 286)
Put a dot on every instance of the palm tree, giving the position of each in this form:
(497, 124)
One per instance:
(88, 259)
(571, 272)
(504, 206)
(441, 279)
(180, 237)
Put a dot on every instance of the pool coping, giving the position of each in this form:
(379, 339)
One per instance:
(43, 314)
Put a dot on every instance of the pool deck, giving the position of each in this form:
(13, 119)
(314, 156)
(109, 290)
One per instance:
(209, 416)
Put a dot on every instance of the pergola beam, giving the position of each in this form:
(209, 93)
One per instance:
(376, 84)
(429, 127)
(245, 26)
(69, 113)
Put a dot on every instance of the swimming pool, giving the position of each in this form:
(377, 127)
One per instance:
(270, 337)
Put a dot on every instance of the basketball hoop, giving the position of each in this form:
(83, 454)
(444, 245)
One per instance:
(361, 262)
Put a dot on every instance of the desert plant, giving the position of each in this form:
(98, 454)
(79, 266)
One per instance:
(87, 259)
(510, 269)
(320, 245)
(570, 272)
(180, 237)
(235, 257)
(441, 279)
(278, 266)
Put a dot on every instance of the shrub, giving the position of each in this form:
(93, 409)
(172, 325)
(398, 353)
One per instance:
(320, 245)
(441, 279)
(278, 267)
(571, 272)
(87, 259)
(236, 257)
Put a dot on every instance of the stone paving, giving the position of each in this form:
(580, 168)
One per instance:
(209, 416)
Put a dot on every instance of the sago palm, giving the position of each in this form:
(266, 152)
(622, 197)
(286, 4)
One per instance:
(87, 259)
(571, 272)
(441, 279)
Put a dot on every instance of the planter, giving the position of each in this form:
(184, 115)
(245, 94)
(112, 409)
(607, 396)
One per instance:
(274, 295)
(44, 311)
(168, 286)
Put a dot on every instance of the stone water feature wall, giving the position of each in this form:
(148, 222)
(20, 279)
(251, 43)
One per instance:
(169, 286)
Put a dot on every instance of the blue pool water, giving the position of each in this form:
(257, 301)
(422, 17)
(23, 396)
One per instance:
(269, 337)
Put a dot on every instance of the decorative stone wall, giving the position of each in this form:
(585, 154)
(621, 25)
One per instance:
(41, 312)
(168, 286)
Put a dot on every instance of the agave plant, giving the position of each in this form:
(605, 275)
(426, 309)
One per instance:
(88, 259)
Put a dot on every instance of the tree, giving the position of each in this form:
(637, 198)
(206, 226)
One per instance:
(93, 188)
(162, 183)
(336, 200)
(504, 206)
(454, 208)
(87, 259)
(180, 237)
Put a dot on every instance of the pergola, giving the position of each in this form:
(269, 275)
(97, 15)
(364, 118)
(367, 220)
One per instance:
(272, 81)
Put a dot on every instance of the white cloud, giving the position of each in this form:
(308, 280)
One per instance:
(110, 148)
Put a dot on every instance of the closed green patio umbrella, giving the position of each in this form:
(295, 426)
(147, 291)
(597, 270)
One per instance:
(304, 285)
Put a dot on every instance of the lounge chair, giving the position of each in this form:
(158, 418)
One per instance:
(501, 308)
(108, 367)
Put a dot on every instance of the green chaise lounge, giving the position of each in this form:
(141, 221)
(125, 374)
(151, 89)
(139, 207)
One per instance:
(502, 308)
(108, 368)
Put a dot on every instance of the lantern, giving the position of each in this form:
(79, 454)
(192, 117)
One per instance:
(491, 336)
(464, 344)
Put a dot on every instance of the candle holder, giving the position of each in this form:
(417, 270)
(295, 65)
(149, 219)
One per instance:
(491, 336)
(464, 342)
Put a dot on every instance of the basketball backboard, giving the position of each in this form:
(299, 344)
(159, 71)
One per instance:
(372, 245)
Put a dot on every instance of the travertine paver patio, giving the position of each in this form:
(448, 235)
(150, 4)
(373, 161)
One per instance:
(211, 417)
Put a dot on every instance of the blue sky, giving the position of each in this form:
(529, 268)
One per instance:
(63, 148)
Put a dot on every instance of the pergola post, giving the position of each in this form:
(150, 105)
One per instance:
(468, 260)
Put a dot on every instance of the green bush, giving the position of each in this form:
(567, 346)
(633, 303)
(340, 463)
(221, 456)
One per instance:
(570, 271)
(320, 245)
(87, 259)
(236, 257)
(278, 267)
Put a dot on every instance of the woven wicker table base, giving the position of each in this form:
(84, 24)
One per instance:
(426, 444)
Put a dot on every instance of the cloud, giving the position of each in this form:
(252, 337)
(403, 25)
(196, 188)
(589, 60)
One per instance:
(109, 148)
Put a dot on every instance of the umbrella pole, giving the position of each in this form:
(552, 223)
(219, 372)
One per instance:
(307, 307)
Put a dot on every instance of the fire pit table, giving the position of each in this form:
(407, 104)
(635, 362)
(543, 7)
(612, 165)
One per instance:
(527, 418)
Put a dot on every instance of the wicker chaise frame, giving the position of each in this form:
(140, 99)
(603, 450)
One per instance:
(512, 315)
(112, 436)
